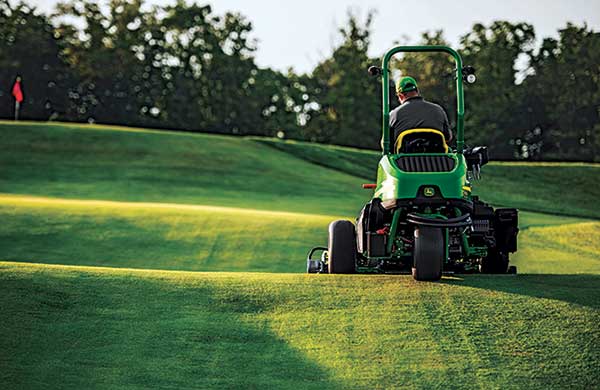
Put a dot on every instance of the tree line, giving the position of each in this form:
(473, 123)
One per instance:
(184, 67)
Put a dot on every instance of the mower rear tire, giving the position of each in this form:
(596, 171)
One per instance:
(342, 247)
(429, 252)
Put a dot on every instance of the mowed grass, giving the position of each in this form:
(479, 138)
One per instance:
(126, 198)
(555, 188)
(112, 163)
(76, 327)
(562, 249)
(133, 165)
(356, 162)
(156, 235)
(141, 166)
(208, 238)
(109, 163)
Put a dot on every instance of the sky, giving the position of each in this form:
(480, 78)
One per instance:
(299, 34)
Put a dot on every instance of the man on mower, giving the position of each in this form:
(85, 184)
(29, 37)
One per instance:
(415, 112)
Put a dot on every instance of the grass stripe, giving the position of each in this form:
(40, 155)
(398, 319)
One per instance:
(27, 200)
(134, 329)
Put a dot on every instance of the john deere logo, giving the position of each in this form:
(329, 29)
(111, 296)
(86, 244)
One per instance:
(428, 191)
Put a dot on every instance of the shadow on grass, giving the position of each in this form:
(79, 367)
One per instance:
(84, 330)
(581, 289)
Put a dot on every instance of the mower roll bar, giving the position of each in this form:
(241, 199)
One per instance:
(460, 108)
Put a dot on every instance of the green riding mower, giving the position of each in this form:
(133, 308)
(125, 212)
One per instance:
(422, 217)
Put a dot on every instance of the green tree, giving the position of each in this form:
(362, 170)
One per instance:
(348, 100)
(283, 102)
(178, 66)
(494, 114)
(211, 66)
(102, 57)
(563, 95)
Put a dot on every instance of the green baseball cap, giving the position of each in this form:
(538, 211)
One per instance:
(406, 84)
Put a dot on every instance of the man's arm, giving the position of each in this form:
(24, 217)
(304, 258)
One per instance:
(393, 123)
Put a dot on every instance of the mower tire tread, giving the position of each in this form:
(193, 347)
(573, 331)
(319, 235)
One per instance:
(342, 247)
(429, 253)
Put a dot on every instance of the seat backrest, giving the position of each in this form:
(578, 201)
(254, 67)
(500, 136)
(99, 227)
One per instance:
(421, 141)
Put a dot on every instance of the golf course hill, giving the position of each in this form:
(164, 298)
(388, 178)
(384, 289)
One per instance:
(102, 226)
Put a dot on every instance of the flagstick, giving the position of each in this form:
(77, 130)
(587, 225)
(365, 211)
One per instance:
(17, 106)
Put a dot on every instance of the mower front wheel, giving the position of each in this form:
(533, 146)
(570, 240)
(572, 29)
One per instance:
(342, 247)
(429, 253)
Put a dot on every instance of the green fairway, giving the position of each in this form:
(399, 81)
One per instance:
(94, 163)
(99, 162)
(96, 196)
(208, 238)
(90, 327)
(156, 235)
(563, 249)
(112, 163)
(356, 162)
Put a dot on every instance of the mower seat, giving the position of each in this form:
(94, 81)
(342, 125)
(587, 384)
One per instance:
(421, 141)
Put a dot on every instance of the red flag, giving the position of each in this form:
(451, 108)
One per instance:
(16, 91)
